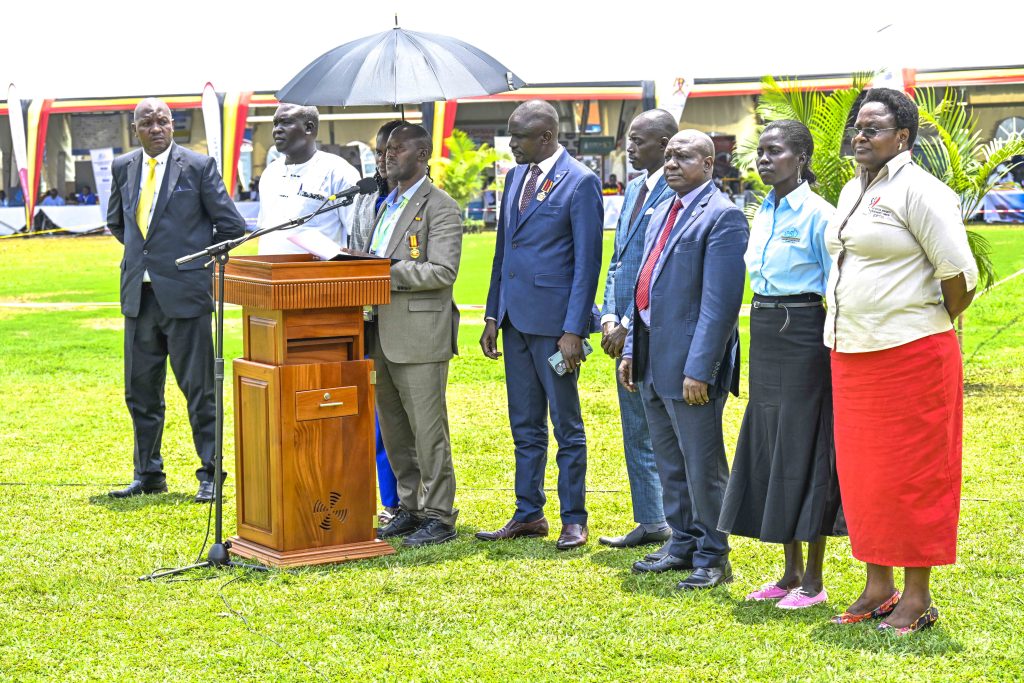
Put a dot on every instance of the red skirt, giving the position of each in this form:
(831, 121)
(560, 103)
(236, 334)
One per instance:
(899, 444)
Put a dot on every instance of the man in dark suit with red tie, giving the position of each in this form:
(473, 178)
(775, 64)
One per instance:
(683, 353)
(167, 202)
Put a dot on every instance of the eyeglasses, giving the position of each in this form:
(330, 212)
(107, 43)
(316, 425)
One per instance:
(868, 133)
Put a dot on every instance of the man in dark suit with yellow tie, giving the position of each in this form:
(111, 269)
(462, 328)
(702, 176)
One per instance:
(167, 202)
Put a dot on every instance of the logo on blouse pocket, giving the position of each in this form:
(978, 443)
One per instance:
(878, 212)
(790, 236)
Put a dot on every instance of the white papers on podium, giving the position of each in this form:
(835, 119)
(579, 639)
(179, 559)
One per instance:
(316, 243)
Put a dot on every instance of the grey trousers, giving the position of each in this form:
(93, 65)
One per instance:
(413, 418)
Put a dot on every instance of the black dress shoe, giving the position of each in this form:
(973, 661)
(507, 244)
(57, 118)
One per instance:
(638, 536)
(667, 563)
(706, 577)
(433, 532)
(136, 488)
(402, 524)
(660, 552)
(205, 492)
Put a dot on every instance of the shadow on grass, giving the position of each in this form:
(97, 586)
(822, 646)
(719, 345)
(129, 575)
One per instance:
(140, 502)
(465, 546)
(932, 642)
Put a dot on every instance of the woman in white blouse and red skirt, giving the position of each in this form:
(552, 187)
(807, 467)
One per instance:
(902, 271)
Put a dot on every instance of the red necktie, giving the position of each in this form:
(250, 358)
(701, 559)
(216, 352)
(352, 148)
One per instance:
(531, 187)
(643, 283)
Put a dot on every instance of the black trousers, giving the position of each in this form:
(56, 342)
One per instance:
(149, 340)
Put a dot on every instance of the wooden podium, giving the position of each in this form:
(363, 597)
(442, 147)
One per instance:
(304, 415)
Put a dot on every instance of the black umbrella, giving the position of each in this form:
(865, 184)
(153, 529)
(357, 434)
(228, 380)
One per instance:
(397, 67)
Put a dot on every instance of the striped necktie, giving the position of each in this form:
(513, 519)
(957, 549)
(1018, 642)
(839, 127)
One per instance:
(643, 283)
(146, 199)
(530, 189)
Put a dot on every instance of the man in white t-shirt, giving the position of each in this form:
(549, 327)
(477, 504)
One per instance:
(298, 182)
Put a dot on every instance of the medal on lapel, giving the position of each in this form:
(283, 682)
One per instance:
(414, 248)
(544, 189)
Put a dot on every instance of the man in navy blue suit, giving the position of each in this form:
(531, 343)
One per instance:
(547, 260)
(648, 136)
(683, 352)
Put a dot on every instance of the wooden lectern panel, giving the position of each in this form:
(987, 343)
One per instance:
(300, 282)
(304, 420)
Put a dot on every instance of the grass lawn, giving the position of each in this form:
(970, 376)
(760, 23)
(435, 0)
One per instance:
(73, 610)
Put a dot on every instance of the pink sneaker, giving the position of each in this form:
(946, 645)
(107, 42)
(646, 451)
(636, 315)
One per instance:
(799, 599)
(769, 591)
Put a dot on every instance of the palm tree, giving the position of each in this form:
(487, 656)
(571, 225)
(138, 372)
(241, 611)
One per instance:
(950, 147)
(954, 154)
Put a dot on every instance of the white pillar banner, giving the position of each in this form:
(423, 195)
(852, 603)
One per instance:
(17, 118)
(211, 120)
(671, 94)
(101, 161)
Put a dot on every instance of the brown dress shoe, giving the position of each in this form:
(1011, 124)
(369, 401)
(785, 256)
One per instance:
(572, 536)
(514, 529)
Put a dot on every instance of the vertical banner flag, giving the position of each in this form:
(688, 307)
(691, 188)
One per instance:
(101, 161)
(211, 120)
(16, 116)
(671, 94)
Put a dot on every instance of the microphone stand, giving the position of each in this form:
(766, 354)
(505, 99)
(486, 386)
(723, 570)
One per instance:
(218, 253)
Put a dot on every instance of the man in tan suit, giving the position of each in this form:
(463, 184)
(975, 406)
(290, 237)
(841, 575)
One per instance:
(414, 338)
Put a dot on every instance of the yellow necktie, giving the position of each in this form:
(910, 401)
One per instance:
(146, 199)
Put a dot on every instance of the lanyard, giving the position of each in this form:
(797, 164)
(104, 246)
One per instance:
(387, 223)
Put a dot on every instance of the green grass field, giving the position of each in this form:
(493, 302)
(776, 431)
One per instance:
(73, 610)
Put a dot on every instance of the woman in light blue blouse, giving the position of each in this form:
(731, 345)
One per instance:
(783, 487)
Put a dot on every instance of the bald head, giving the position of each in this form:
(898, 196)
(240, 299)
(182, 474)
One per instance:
(689, 161)
(702, 141)
(153, 125)
(649, 134)
(657, 121)
(533, 131)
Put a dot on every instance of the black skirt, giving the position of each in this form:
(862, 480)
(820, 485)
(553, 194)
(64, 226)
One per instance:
(783, 485)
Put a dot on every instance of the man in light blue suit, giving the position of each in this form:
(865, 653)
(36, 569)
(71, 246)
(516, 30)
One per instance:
(683, 352)
(648, 136)
(547, 261)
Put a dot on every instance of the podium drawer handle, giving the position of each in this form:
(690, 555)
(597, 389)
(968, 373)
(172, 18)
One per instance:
(332, 405)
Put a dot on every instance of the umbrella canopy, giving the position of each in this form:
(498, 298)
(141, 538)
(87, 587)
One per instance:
(396, 67)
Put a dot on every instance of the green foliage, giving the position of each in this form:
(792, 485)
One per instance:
(461, 174)
(954, 154)
(472, 226)
(824, 114)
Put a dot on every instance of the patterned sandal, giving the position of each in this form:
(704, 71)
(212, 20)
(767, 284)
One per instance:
(883, 610)
(930, 616)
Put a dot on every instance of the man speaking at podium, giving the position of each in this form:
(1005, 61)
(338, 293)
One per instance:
(167, 202)
(297, 183)
(419, 227)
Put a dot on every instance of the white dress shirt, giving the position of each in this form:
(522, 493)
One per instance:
(892, 241)
(545, 168)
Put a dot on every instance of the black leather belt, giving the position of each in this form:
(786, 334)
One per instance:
(786, 303)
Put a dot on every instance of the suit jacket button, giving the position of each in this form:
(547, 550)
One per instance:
(145, 252)
(515, 245)
(511, 275)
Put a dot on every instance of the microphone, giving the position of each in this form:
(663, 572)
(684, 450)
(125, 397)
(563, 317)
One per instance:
(364, 186)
